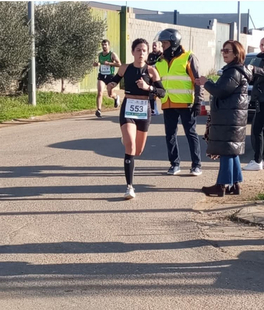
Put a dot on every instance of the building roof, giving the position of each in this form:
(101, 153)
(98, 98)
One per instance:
(113, 7)
(174, 17)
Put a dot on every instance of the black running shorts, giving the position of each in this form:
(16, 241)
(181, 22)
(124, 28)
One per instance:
(142, 124)
(105, 78)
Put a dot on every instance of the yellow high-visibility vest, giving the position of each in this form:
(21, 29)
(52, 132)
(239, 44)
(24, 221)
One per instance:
(177, 83)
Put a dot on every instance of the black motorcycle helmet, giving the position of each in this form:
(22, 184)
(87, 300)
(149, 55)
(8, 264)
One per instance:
(171, 35)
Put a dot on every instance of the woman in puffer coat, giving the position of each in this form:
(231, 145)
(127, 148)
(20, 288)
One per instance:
(229, 109)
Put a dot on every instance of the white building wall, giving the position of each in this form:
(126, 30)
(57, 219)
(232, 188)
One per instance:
(200, 41)
(254, 40)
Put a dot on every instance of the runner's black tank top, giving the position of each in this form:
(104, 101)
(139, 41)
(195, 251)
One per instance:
(133, 74)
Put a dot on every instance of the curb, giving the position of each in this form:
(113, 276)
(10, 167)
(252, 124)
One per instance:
(250, 215)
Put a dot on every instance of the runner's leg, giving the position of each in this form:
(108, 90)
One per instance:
(100, 90)
(129, 141)
(141, 139)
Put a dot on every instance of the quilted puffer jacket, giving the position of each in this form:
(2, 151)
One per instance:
(229, 109)
(258, 87)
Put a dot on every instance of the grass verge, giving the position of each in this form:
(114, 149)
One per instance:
(260, 196)
(48, 102)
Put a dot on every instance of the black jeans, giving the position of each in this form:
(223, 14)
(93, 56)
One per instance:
(258, 127)
(171, 119)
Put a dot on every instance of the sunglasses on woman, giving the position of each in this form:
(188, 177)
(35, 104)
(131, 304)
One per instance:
(226, 50)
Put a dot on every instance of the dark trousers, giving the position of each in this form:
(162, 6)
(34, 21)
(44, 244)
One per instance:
(171, 119)
(258, 127)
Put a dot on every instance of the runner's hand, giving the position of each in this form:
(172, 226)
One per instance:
(142, 84)
(201, 81)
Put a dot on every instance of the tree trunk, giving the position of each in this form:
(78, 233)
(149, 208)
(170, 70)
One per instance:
(62, 85)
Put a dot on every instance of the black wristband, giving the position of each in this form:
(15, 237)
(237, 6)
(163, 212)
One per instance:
(158, 89)
(116, 79)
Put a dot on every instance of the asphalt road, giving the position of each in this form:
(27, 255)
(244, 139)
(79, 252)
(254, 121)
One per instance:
(70, 241)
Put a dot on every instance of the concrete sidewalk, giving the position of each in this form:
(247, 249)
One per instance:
(253, 215)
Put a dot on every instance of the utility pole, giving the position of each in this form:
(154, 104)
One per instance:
(32, 70)
(238, 21)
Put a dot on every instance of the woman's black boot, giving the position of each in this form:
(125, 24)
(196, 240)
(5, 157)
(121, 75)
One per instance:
(215, 190)
(234, 189)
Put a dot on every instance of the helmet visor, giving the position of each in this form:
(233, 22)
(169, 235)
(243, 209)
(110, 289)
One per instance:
(165, 35)
(156, 38)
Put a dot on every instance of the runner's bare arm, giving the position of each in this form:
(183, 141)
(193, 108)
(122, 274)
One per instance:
(116, 79)
(153, 74)
(115, 61)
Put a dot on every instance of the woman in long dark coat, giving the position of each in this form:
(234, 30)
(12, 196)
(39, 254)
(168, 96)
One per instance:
(229, 109)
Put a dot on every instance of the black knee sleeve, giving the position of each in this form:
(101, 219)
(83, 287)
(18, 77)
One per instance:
(129, 168)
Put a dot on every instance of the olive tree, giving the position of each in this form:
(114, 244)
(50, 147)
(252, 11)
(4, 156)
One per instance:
(67, 37)
(14, 43)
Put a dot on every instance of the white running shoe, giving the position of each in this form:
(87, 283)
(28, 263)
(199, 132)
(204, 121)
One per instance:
(253, 166)
(117, 101)
(130, 193)
(196, 171)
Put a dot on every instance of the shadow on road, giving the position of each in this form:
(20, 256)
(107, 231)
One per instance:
(241, 275)
(88, 171)
(120, 247)
(29, 191)
(155, 149)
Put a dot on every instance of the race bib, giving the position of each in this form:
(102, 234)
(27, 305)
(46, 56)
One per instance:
(105, 69)
(136, 108)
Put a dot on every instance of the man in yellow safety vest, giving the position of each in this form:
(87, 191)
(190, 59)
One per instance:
(178, 69)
